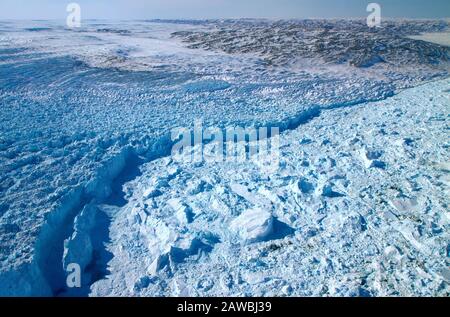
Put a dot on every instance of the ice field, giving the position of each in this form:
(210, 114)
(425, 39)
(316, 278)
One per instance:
(358, 205)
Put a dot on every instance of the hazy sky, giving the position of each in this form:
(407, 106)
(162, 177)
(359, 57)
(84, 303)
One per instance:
(197, 9)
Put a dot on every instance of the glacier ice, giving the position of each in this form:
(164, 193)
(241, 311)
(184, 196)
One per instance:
(358, 206)
(253, 225)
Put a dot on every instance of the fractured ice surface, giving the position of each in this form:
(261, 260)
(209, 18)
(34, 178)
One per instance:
(253, 225)
(326, 224)
(86, 173)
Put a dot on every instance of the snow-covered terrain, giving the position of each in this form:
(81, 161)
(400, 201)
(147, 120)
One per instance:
(358, 206)
(442, 38)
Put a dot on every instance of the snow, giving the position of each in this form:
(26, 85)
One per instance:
(335, 226)
(358, 204)
(441, 38)
(253, 225)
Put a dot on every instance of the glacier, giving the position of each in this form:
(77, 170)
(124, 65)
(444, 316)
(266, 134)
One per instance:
(358, 206)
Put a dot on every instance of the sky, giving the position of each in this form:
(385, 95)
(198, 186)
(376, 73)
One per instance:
(200, 9)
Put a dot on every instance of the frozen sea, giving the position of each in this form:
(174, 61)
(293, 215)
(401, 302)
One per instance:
(357, 207)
